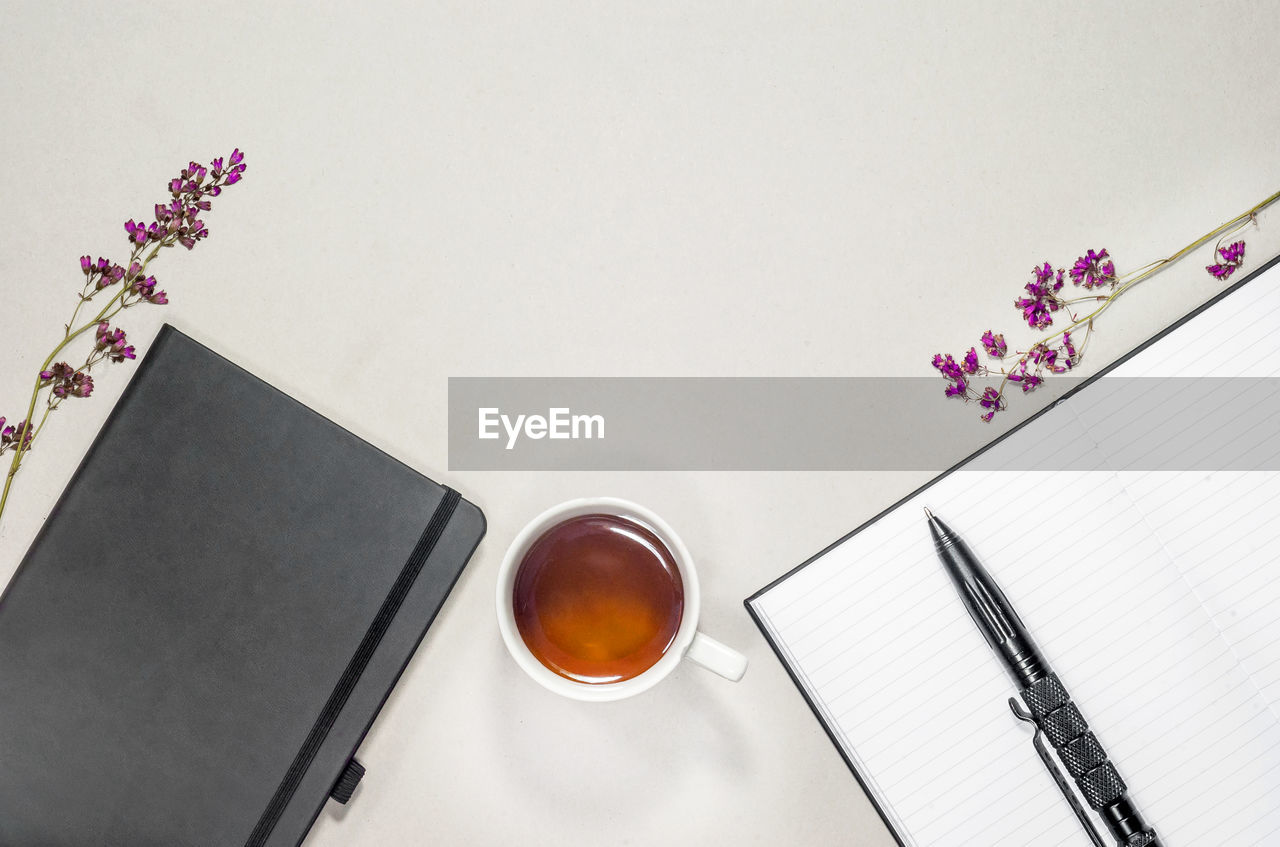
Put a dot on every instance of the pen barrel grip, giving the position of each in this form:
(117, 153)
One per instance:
(1084, 758)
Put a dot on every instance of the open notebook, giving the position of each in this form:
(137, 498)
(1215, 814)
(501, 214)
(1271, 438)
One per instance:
(1155, 594)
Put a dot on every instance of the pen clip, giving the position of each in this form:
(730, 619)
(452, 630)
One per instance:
(1059, 777)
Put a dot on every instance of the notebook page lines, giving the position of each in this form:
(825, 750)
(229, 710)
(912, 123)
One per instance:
(977, 650)
(1227, 554)
(1219, 525)
(927, 716)
(875, 621)
(867, 775)
(1156, 687)
(1016, 451)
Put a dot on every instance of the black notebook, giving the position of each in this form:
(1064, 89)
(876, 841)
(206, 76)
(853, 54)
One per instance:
(212, 616)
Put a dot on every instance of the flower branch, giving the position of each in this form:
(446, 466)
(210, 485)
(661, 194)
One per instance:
(1059, 352)
(176, 221)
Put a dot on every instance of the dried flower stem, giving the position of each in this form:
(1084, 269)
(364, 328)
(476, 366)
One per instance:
(176, 222)
(1131, 279)
(1058, 352)
(25, 441)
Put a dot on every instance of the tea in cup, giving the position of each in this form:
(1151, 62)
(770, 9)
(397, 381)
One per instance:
(598, 600)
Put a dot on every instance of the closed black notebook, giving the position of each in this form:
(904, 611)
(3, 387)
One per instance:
(212, 616)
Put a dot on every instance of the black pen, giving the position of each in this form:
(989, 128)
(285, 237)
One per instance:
(1046, 698)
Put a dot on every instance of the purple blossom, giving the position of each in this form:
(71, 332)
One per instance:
(9, 435)
(1232, 258)
(1057, 359)
(67, 381)
(1038, 308)
(1094, 270)
(113, 343)
(236, 162)
(993, 402)
(957, 373)
(994, 344)
(947, 366)
(102, 273)
(1043, 354)
(58, 371)
(177, 221)
(957, 385)
(1072, 357)
(146, 290)
(1027, 379)
(137, 232)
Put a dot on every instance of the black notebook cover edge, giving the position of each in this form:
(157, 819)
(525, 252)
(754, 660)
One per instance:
(130, 387)
(777, 651)
(403, 666)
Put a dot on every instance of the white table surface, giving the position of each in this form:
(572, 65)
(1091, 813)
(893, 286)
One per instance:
(459, 189)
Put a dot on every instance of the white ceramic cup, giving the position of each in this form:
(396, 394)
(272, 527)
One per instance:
(688, 642)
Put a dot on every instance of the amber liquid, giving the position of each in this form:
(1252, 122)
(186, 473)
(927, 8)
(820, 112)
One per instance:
(598, 599)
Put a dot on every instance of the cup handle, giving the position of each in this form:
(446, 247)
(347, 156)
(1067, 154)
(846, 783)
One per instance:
(716, 657)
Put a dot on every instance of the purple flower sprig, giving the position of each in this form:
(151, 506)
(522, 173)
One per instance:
(1232, 258)
(1094, 270)
(9, 435)
(177, 220)
(1058, 355)
(1038, 308)
(1062, 350)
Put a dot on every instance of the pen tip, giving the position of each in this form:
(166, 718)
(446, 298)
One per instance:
(927, 513)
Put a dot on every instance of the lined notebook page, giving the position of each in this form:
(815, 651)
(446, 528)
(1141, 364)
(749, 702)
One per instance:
(1148, 646)
(1222, 528)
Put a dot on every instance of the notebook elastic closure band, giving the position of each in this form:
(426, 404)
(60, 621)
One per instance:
(355, 668)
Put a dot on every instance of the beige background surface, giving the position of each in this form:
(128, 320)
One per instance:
(442, 190)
